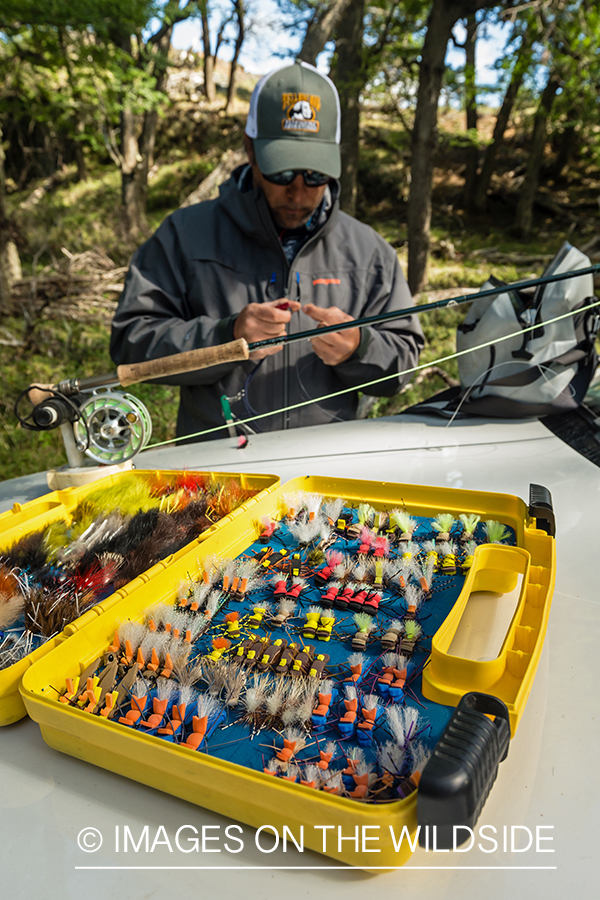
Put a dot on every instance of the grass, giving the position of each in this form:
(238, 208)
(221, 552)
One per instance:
(75, 215)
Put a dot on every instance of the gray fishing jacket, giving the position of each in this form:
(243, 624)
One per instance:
(186, 285)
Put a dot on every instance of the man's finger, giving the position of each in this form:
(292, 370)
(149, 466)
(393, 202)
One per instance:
(327, 340)
(272, 316)
(315, 312)
(265, 313)
(328, 316)
(271, 331)
(284, 303)
(265, 351)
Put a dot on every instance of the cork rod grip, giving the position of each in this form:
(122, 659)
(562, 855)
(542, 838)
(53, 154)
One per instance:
(202, 358)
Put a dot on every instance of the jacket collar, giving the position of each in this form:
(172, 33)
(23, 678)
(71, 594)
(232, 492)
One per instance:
(250, 211)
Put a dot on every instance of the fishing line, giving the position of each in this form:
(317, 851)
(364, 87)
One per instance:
(305, 364)
(481, 378)
(366, 384)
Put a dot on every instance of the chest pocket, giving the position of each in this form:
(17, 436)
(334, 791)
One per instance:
(218, 290)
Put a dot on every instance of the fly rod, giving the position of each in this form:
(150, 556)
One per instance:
(424, 307)
(239, 350)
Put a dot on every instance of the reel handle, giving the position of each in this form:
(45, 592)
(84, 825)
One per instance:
(201, 358)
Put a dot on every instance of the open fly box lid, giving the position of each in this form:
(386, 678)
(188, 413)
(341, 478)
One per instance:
(251, 795)
(36, 515)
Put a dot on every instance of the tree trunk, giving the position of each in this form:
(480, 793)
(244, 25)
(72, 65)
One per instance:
(10, 264)
(349, 78)
(568, 140)
(79, 157)
(440, 23)
(128, 155)
(231, 89)
(148, 137)
(442, 17)
(146, 152)
(209, 81)
(79, 126)
(472, 151)
(320, 30)
(524, 213)
(491, 152)
(137, 155)
(134, 217)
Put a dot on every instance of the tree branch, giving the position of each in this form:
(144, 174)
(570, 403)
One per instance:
(321, 28)
(171, 19)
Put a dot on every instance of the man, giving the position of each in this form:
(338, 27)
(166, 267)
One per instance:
(273, 255)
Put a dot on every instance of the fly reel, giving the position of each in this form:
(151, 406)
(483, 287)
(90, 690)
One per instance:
(106, 425)
(112, 427)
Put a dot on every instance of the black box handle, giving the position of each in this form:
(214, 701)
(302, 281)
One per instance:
(541, 509)
(458, 777)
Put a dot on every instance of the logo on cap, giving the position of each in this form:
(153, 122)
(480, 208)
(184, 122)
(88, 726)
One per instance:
(301, 112)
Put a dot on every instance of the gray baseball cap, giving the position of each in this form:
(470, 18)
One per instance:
(294, 121)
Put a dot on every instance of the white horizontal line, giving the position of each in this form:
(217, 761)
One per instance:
(318, 868)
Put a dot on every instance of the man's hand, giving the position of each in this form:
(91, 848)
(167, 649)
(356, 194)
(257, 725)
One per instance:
(261, 321)
(336, 347)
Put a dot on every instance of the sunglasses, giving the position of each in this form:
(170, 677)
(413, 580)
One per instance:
(311, 179)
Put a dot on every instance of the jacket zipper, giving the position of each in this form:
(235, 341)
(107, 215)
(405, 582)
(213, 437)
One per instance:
(288, 271)
(286, 347)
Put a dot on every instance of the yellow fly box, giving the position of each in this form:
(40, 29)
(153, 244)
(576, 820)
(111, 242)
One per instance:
(25, 519)
(369, 830)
